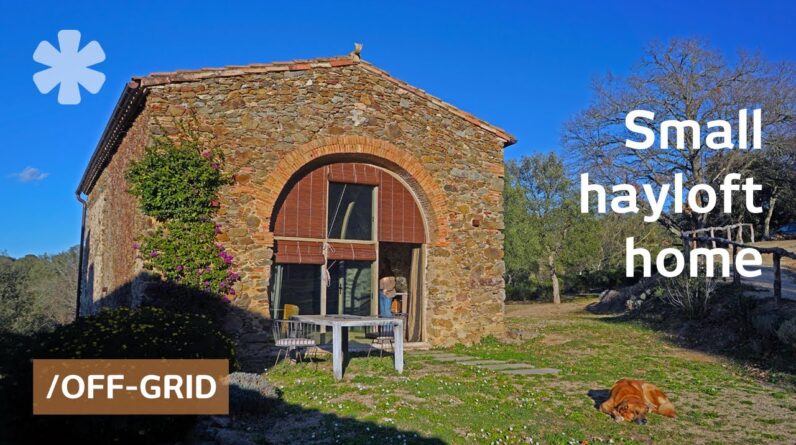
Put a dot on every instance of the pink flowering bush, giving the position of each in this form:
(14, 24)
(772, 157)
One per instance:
(186, 253)
(178, 184)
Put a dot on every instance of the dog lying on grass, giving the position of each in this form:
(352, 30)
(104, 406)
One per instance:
(631, 400)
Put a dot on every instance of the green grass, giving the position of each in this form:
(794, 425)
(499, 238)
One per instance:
(716, 400)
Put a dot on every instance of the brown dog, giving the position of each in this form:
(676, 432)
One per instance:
(631, 400)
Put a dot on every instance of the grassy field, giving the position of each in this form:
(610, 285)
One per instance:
(432, 402)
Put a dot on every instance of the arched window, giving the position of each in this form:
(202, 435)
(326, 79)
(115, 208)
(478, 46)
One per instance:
(336, 228)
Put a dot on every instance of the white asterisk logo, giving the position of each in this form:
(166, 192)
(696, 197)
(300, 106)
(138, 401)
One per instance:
(69, 67)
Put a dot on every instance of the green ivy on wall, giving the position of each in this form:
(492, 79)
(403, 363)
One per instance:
(177, 184)
(177, 181)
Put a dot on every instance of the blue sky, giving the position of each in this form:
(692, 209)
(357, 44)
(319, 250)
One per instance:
(524, 66)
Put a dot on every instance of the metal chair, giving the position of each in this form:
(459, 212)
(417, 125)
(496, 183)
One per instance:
(290, 335)
(383, 335)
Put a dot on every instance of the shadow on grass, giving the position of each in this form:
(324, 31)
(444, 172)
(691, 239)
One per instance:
(259, 419)
(257, 416)
(736, 327)
(598, 396)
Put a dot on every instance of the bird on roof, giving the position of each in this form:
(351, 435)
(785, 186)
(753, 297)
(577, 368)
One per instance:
(357, 51)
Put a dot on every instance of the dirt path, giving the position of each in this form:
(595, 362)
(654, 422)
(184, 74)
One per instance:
(543, 310)
(789, 245)
(765, 282)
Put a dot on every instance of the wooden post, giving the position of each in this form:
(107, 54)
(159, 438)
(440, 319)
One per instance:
(398, 345)
(777, 279)
(736, 277)
(713, 241)
(740, 233)
(752, 232)
(337, 351)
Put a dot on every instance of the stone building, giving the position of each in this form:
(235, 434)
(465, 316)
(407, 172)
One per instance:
(339, 169)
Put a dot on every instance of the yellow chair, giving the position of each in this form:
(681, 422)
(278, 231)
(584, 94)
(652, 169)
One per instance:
(289, 310)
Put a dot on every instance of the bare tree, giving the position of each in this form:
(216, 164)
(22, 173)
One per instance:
(776, 170)
(683, 80)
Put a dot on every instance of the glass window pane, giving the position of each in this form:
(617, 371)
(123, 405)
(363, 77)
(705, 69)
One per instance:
(350, 211)
(350, 289)
(296, 284)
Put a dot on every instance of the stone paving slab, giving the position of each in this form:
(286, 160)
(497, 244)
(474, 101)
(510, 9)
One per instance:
(504, 366)
(535, 371)
(441, 355)
(500, 366)
(481, 362)
(434, 356)
(452, 358)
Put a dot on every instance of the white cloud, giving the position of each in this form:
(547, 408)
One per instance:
(30, 174)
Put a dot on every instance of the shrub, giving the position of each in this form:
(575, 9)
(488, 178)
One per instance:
(176, 180)
(787, 333)
(177, 183)
(186, 253)
(691, 295)
(146, 333)
(520, 288)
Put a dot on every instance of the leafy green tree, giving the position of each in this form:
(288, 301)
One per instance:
(38, 292)
(545, 231)
(16, 314)
(12, 302)
(614, 229)
(521, 243)
(52, 284)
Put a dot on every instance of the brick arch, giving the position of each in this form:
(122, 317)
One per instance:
(430, 195)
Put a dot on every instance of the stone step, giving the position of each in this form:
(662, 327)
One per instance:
(534, 371)
(504, 366)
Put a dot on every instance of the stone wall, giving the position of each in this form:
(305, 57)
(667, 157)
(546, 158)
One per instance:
(112, 271)
(270, 125)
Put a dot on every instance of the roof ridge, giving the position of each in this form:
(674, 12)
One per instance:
(130, 103)
(161, 78)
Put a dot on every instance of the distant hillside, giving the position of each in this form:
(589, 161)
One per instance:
(38, 292)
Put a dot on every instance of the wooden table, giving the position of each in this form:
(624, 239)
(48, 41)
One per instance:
(340, 325)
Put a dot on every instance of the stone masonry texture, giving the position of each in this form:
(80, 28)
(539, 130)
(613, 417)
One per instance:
(269, 126)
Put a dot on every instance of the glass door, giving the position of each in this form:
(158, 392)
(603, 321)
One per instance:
(298, 285)
(350, 288)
